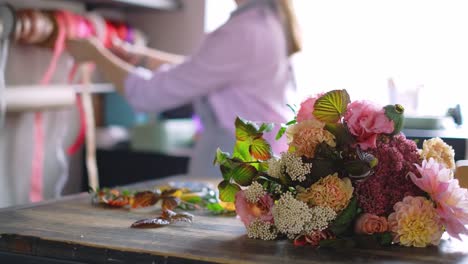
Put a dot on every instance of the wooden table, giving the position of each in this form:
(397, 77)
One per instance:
(71, 230)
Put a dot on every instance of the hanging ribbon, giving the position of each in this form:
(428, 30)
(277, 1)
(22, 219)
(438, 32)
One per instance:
(36, 190)
(82, 28)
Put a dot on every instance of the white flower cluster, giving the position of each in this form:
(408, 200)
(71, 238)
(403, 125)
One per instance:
(262, 230)
(291, 164)
(254, 192)
(291, 215)
(275, 167)
(295, 168)
(321, 218)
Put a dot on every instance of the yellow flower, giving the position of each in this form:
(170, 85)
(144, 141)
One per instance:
(304, 137)
(439, 150)
(415, 222)
(330, 191)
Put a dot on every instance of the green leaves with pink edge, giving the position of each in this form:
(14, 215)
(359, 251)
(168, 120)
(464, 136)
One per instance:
(242, 151)
(260, 149)
(246, 130)
(330, 107)
(228, 191)
(241, 173)
(221, 157)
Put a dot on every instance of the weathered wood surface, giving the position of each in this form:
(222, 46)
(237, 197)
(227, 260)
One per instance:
(73, 229)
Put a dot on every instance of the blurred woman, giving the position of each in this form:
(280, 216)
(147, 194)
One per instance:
(241, 69)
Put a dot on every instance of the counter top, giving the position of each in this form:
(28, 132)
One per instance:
(73, 230)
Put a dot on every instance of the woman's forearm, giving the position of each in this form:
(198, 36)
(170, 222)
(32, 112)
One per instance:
(156, 58)
(113, 68)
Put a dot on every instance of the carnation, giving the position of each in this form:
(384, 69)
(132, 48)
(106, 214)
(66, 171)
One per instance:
(389, 184)
(330, 191)
(304, 137)
(437, 149)
(366, 121)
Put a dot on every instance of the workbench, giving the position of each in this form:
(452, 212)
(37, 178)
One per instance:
(72, 230)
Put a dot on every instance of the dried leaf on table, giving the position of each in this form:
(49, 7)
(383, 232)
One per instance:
(151, 223)
(117, 203)
(182, 217)
(145, 199)
(170, 203)
(168, 217)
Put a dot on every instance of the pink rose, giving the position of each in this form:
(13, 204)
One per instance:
(366, 121)
(251, 211)
(368, 224)
(307, 109)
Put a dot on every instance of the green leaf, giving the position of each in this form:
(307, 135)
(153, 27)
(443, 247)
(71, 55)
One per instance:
(228, 191)
(357, 167)
(292, 122)
(330, 107)
(260, 149)
(245, 130)
(292, 107)
(281, 132)
(242, 151)
(194, 200)
(266, 127)
(215, 208)
(262, 166)
(283, 128)
(344, 220)
(221, 157)
(243, 174)
(226, 171)
(342, 135)
(385, 239)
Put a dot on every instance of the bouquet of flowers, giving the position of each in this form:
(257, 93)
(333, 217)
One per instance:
(348, 175)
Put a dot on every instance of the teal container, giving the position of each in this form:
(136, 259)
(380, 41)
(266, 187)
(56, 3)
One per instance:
(118, 112)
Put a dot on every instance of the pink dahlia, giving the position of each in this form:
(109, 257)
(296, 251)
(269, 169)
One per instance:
(366, 121)
(248, 212)
(415, 223)
(389, 184)
(435, 178)
(450, 198)
(307, 109)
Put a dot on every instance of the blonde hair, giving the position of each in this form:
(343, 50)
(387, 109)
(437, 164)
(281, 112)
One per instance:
(291, 26)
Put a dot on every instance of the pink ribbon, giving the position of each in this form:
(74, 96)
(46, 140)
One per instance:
(68, 25)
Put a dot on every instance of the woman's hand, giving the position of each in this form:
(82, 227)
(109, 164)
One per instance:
(126, 51)
(84, 50)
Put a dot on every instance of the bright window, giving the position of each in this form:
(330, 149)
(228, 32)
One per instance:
(360, 44)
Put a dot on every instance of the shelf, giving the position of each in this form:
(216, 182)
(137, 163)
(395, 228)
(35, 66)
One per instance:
(138, 4)
(49, 97)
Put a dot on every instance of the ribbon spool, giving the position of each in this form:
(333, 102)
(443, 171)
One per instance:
(33, 27)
